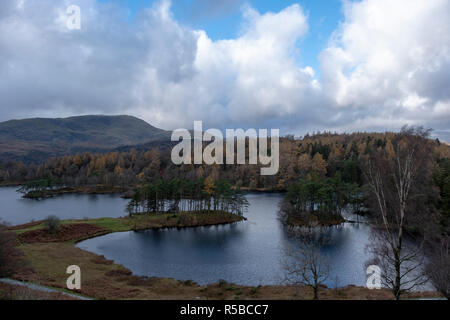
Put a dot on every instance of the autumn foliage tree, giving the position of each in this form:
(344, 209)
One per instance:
(323, 153)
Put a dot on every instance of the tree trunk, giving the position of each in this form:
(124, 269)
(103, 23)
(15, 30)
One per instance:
(397, 284)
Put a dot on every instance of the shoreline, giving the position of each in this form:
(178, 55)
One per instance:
(126, 192)
(76, 190)
(315, 221)
(9, 184)
(105, 279)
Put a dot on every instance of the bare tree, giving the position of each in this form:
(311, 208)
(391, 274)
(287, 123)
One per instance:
(400, 183)
(438, 267)
(305, 264)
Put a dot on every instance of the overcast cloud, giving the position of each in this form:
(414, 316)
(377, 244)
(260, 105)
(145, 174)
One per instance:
(387, 65)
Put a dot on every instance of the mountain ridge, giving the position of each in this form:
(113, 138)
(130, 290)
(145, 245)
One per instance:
(37, 139)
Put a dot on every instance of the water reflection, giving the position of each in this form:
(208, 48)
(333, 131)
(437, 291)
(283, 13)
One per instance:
(248, 253)
(16, 210)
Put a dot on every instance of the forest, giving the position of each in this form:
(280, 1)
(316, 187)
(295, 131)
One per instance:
(305, 162)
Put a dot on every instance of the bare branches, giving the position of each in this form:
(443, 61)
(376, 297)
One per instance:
(306, 264)
(397, 181)
(438, 267)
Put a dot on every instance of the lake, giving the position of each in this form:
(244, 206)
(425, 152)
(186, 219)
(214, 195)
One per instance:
(16, 210)
(247, 253)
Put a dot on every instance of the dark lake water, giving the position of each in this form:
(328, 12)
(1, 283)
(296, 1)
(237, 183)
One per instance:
(16, 210)
(248, 253)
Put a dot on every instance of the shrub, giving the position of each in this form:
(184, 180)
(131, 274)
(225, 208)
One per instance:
(253, 291)
(52, 224)
(188, 283)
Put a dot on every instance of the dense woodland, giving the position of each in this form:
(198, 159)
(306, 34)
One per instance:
(322, 158)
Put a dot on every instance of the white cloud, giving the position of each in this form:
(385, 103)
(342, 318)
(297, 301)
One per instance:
(387, 64)
(392, 60)
(243, 81)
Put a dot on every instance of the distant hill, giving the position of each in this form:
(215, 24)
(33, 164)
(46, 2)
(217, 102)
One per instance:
(34, 140)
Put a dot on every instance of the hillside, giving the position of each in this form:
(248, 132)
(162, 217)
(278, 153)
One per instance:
(33, 140)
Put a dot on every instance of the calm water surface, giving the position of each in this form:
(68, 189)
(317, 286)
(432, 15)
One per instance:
(16, 210)
(247, 253)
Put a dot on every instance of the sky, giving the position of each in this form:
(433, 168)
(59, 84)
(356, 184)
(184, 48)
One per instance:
(223, 19)
(298, 66)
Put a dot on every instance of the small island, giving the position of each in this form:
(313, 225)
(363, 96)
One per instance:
(317, 201)
(48, 188)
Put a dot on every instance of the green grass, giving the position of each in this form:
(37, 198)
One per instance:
(111, 224)
(37, 227)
